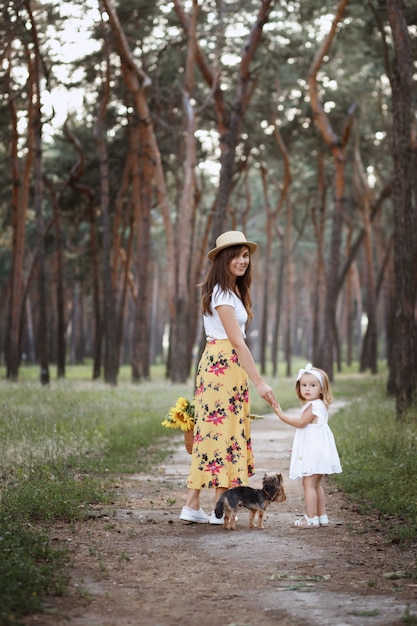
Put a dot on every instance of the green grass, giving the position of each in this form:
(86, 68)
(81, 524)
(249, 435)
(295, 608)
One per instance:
(63, 445)
(60, 448)
(29, 568)
(378, 455)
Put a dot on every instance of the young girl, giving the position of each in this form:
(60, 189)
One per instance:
(314, 451)
(222, 450)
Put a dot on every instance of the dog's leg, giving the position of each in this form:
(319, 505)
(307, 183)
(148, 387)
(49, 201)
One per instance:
(260, 519)
(233, 520)
(252, 514)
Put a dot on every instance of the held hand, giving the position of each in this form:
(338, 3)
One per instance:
(278, 410)
(265, 391)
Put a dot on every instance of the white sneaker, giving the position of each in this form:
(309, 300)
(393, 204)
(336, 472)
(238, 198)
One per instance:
(216, 520)
(190, 515)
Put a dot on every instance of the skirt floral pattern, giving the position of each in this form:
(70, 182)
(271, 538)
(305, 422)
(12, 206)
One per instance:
(222, 448)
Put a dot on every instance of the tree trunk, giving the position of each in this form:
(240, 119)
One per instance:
(278, 308)
(42, 334)
(86, 191)
(35, 65)
(289, 288)
(19, 203)
(368, 359)
(30, 352)
(179, 365)
(60, 341)
(142, 202)
(404, 363)
(111, 363)
(98, 324)
(267, 273)
(319, 214)
(271, 228)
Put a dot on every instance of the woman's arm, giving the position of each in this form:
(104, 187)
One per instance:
(231, 326)
(306, 418)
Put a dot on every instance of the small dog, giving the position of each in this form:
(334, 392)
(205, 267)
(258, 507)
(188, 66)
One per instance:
(256, 500)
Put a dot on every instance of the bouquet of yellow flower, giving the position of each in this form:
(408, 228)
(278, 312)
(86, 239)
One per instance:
(182, 415)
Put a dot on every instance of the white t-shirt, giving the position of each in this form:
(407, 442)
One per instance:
(212, 323)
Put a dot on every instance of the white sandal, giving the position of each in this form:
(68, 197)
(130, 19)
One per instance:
(323, 520)
(307, 522)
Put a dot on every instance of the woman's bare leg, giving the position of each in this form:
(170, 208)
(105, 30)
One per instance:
(193, 499)
(219, 492)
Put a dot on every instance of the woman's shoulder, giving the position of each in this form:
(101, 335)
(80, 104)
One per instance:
(219, 289)
(223, 296)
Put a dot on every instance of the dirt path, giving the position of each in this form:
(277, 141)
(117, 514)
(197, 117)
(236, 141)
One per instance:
(141, 565)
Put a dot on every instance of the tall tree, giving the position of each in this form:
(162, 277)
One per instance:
(21, 168)
(229, 119)
(403, 366)
(111, 360)
(142, 200)
(337, 144)
(84, 190)
(232, 119)
(35, 68)
(368, 357)
(55, 196)
(138, 83)
(179, 367)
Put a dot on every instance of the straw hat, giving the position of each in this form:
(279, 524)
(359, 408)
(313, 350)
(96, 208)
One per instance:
(231, 238)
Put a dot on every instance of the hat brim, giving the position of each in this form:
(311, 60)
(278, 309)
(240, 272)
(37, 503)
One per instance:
(249, 244)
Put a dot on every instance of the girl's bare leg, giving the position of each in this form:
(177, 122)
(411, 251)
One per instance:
(313, 493)
(321, 498)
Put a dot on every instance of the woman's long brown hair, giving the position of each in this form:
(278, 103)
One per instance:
(219, 274)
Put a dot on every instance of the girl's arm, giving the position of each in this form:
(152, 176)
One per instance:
(231, 326)
(298, 422)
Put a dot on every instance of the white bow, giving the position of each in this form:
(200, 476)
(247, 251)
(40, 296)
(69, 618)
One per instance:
(308, 369)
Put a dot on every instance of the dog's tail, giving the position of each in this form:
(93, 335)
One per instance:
(219, 510)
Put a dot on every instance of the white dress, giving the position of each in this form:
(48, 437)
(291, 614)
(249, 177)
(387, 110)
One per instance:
(314, 449)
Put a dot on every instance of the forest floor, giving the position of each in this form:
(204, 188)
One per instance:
(140, 565)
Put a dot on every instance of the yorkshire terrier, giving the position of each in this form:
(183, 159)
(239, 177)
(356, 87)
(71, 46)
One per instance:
(256, 500)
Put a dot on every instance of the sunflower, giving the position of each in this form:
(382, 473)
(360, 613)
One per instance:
(181, 415)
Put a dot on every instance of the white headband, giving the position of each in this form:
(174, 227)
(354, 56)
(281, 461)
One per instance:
(309, 370)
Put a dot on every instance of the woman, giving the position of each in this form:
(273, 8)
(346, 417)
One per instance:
(222, 451)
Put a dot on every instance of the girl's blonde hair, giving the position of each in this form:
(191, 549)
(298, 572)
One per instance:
(326, 392)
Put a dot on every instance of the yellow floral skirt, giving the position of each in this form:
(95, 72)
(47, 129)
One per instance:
(222, 449)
